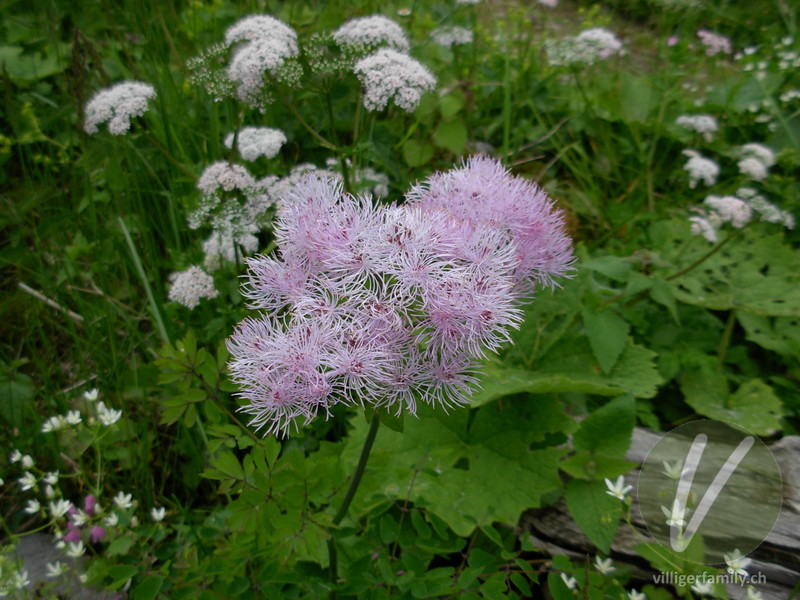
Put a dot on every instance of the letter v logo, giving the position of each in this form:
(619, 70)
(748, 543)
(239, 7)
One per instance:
(680, 540)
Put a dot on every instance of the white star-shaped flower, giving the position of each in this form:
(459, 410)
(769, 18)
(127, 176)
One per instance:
(27, 481)
(675, 517)
(636, 595)
(55, 569)
(158, 514)
(618, 489)
(569, 581)
(32, 507)
(75, 549)
(59, 508)
(124, 501)
(91, 395)
(737, 563)
(704, 587)
(73, 417)
(604, 565)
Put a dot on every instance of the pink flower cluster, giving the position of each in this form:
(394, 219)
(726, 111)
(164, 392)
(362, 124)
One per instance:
(391, 305)
(96, 533)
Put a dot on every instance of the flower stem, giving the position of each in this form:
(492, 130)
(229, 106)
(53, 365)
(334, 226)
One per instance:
(348, 498)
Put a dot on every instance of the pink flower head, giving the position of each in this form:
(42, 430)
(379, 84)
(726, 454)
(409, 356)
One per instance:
(391, 305)
(672, 40)
(714, 42)
(89, 504)
(96, 534)
(482, 192)
(74, 533)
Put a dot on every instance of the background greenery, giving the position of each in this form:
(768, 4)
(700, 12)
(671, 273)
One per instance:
(656, 328)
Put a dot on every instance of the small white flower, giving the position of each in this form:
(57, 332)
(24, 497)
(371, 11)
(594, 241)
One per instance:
(80, 518)
(21, 580)
(134, 521)
(2, 482)
(27, 481)
(158, 514)
(107, 416)
(673, 470)
(27, 462)
(604, 565)
(51, 477)
(618, 489)
(124, 501)
(704, 587)
(91, 395)
(55, 423)
(73, 417)
(753, 593)
(253, 142)
(111, 520)
(56, 569)
(83, 577)
(634, 595)
(16, 456)
(59, 508)
(700, 168)
(49, 492)
(32, 507)
(674, 516)
(569, 581)
(75, 549)
(704, 124)
(390, 75)
(737, 563)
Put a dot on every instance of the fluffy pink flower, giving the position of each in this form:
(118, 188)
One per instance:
(96, 534)
(391, 305)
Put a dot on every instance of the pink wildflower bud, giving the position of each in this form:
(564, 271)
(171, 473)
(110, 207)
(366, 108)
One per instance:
(89, 504)
(97, 533)
(73, 535)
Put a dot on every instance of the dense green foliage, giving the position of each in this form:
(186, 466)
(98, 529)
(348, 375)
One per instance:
(657, 326)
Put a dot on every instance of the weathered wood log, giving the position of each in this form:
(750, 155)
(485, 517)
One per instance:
(777, 558)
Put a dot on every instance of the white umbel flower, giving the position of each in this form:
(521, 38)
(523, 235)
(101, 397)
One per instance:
(700, 168)
(586, 48)
(263, 45)
(730, 209)
(703, 124)
(768, 211)
(452, 35)
(221, 248)
(390, 75)
(372, 31)
(117, 105)
(753, 168)
(252, 142)
(190, 286)
(714, 42)
(702, 225)
(760, 152)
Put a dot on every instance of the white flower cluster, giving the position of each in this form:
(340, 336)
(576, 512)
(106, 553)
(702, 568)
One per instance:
(252, 142)
(756, 161)
(704, 124)
(390, 75)
(586, 48)
(371, 32)
(549, 3)
(263, 44)
(367, 178)
(768, 211)
(190, 286)
(232, 201)
(59, 422)
(700, 169)
(714, 42)
(451, 35)
(221, 248)
(729, 209)
(117, 105)
(789, 96)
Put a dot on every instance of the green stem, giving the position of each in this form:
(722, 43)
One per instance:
(348, 498)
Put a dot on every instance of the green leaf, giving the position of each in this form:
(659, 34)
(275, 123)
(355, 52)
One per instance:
(26, 68)
(451, 135)
(120, 574)
(450, 104)
(558, 588)
(467, 478)
(228, 464)
(592, 466)
(416, 154)
(661, 292)
(595, 512)
(779, 334)
(119, 546)
(608, 430)
(754, 407)
(608, 335)
(614, 267)
(148, 589)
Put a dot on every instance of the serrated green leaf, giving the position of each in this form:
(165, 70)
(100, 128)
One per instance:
(661, 292)
(595, 512)
(608, 335)
(119, 546)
